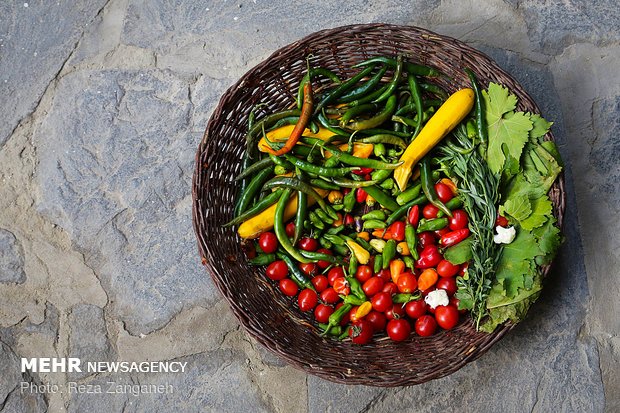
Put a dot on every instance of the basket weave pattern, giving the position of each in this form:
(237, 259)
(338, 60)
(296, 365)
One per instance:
(273, 319)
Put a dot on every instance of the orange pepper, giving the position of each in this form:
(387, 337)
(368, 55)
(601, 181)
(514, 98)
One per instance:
(448, 182)
(427, 279)
(339, 221)
(363, 235)
(396, 269)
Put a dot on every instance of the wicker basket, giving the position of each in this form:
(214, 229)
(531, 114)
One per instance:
(268, 315)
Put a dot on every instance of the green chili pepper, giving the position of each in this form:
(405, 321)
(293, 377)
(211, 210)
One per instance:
(279, 228)
(374, 224)
(356, 111)
(278, 160)
(335, 230)
(349, 201)
(315, 220)
(254, 168)
(298, 185)
(388, 184)
(482, 130)
(428, 186)
(300, 217)
(318, 170)
(409, 194)
(342, 88)
(412, 240)
(352, 299)
(352, 264)
(403, 298)
(362, 242)
(417, 98)
(378, 119)
(296, 275)
(380, 175)
(257, 208)
(394, 82)
(340, 250)
(325, 243)
(335, 331)
(356, 287)
(253, 188)
(334, 239)
(369, 97)
(323, 184)
(378, 263)
(452, 204)
(376, 214)
(365, 88)
(384, 199)
(402, 210)
(323, 216)
(337, 316)
(432, 224)
(319, 256)
(379, 150)
(411, 107)
(263, 259)
(430, 87)
(388, 253)
(350, 159)
(409, 262)
(349, 183)
(318, 71)
(416, 69)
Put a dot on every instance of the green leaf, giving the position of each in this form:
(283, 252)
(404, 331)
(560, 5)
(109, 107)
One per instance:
(540, 127)
(541, 210)
(459, 253)
(517, 207)
(549, 241)
(508, 131)
(514, 263)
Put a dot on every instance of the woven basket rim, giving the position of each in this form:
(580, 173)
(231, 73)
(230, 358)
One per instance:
(201, 228)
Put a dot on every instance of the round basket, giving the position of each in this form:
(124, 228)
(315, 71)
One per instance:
(270, 317)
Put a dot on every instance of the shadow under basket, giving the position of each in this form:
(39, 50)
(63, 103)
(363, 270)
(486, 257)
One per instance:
(273, 319)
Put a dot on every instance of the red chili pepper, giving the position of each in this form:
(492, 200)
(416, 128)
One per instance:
(414, 215)
(396, 231)
(361, 195)
(454, 237)
(300, 126)
(429, 257)
(362, 171)
(441, 232)
(348, 219)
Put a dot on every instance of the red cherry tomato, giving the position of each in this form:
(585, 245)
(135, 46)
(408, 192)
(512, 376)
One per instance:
(361, 332)
(372, 286)
(277, 270)
(268, 242)
(446, 269)
(430, 211)
(290, 229)
(447, 316)
(425, 326)
(459, 220)
(329, 296)
(363, 273)
(341, 286)
(390, 288)
(414, 215)
(377, 319)
(385, 275)
(398, 329)
(397, 311)
(448, 284)
(324, 264)
(308, 244)
(322, 313)
(333, 273)
(426, 238)
(381, 301)
(501, 221)
(444, 193)
(308, 268)
(288, 287)
(307, 299)
(320, 283)
(407, 283)
(415, 309)
(454, 237)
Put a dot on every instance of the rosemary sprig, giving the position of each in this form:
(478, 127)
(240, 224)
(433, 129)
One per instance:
(478, 189)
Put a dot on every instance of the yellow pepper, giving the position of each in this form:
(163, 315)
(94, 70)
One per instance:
(360, 253)
(282, 134)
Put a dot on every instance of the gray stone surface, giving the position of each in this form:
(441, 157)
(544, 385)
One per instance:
(95, 185)
(11, 259)
(35, 40)
(89, 337)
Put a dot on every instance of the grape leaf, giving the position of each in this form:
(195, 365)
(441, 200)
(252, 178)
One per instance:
(540, 126)
(549, 240)
(541, 210)
(508, 130)
(459, 253)
(517, 207)
(514, 263)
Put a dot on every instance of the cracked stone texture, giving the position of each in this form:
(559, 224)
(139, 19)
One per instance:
(11, 259)
(97, 253)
